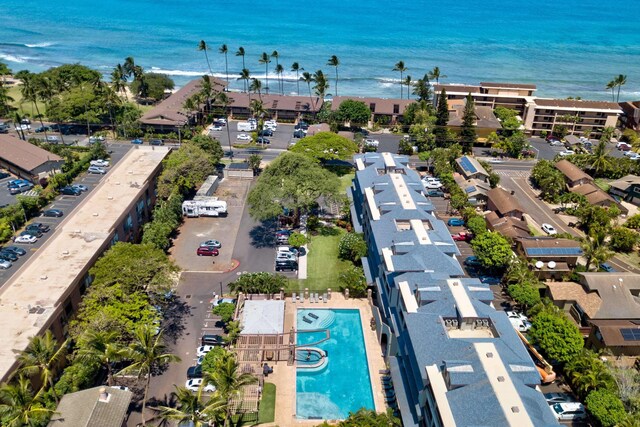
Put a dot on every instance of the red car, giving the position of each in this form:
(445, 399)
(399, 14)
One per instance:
(207, 251)
(462, 237)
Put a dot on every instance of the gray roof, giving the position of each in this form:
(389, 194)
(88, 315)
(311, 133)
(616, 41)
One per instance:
(262, 317)
(618, 292)
(85, 409)
(625, 182)
(24, 154)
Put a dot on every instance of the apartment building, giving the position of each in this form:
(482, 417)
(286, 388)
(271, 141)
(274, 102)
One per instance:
(454, 359)
(487, 94)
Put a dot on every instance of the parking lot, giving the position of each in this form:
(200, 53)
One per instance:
(280, 140)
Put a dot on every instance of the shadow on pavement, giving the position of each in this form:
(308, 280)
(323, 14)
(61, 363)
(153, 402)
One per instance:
(263, 235)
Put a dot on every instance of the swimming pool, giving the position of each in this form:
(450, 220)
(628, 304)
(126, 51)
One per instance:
(342, 385)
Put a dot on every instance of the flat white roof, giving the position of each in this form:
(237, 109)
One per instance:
(420, 231)
(31, 296)
(439, 388)
(463, 302)
(371, 201)
(262, 317)
(388, 261)
(409, 300)
(388, 160)
(402, 191)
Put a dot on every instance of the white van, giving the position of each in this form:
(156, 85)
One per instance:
(246, 127)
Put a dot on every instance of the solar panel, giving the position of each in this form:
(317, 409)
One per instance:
(629, 334)
(467, 165)
(554, 251)
(470, 189)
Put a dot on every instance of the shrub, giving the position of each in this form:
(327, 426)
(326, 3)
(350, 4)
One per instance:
(354, 280)
(560, 339)
(606, 407)
(313, 223)
(225, 310)
(477, 225)
(297, 239)
(623, 239)
(352, 247)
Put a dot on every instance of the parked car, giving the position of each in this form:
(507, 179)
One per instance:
(516, 315)
(69, 191)
(5, 264)
(569, 411)
(263, 140)
(490, 280)
(243, 137)
(156, 142)
(194, 385)
(455, 222)
(94, 139)
(8, 255)
(20, 188)
(623, 146)
(26, 239)
(4, 175)
(370, 142)
(80, 187)
(549, 229)
(32, 232)
(15, 249)
(211, 243)
(17, 182)
(42, 227)
(207, 251)
(137, 141)
(52, 139)
(551, 138)
(204, 349)
(566, 153)
(53, 213)
(432, 185)
(520, 325)
(286, 265)
(605, 266)
(462, 236)
(435, 193)
(630, 154)
(214, 128)
(299, 133)
(559, 398)
(212, 339)
(283, 234)
(96, 170)
(194, 372)
(472, 261)
(282, 256)
(218, 301)
(556, 143)
(266, 132)
(101, 163)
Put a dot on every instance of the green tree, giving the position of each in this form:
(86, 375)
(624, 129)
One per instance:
(601, 161)
(401, 69)
(297, 68)
(101, 348)
(524, 293)
(325, 146)
(42, 356)
(595, 251)
(596, 220)
(422, 89)
(352, 247)
(633, 222)
(224, 50)
(357, 113)
(606, 407)
(334, 62)
(477, 225)
(436, 75)
(623, 239)
(468, 135)
(213, 358)
(369, 418)
(291, 181)
(297, 239)
(225, 310)
(193, 409)
(229, 382)
(442, 118)
(620, 81)
(185, 168)
(254, 162)
(19, 407)
(157, 85)
(147, 352)
(321, 84)
(264, 59)
(560, 339)
(493, 250)
(210, 145)
(549, 180)
(258, 283)
(202, 46)
(353, 279)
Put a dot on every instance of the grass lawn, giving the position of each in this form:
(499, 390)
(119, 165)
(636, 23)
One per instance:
(323, 265)
(267, 411)
(27, 107)
(345, 182)
(603, 184)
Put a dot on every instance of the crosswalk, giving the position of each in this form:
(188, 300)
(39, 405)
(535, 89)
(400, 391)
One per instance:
(30, 193)
(513, 173)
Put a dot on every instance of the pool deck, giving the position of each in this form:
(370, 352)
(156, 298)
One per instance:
(284, 377)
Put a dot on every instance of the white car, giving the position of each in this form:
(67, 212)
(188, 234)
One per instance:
(520, 325)
(566, 153)
(568, 411)
(101, 163)
(243, 137)
(5, 263)
(516, 315)
(496, 160)
(97, 170)
(221, 120)
(549, 229)
(204, 349)
(371, 142)
(120, 387)
(27, 238)
(432, 185)
(194, 385)
(23, 127)
(215, 128)
(213, 243)
(558, 398)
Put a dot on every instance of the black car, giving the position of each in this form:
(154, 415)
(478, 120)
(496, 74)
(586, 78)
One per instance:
(211, 339)
(156, 142)
(286, 265)
(4, 175)
(53, 213)
(8, 255)
(32, 232)
(42, 227)
(41, 129)
(194, 372)
(265, 132)
(262, 140)
(299, 134)
(15, 249)
(435, 193)
(70, 191)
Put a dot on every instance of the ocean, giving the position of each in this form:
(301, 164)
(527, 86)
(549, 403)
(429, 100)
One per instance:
(565, 47)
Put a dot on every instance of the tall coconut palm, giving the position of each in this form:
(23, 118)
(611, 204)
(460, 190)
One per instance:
(308, 79)
(129, 66)
(17, 121)
(595, 251)
(436, 75)
(146, 352)
(240, 52)
(245, 76)
(111, 100)
(600, 158)
(276, 56)
(422, 89)
(5, 100)
(99, 348)
(224, 50)
(321, 84)
(621, 80)
(224, 100)
(19, 407)
(612, 85)
(202, 46)
(264, 59)
(407, 83)
(42, 356)
(401, 68)
(47, 92)
(193, 409)
(279, 71)
(119, 79)
(229, 381)
(297, 68)
(29, 90)
(256, 87)
(334, 62)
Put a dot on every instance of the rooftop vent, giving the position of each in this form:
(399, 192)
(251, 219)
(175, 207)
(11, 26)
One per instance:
(110, 198)
(489, 355)
(95, 214)
(44, 277)
(104, 396)
(515, 409)
(500, 379)
(65, 252)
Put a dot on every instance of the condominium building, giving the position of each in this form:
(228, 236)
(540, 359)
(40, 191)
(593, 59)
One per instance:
(454, 359)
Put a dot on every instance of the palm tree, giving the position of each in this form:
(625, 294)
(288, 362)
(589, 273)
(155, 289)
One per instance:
(224, 100)
(595, 251)
(119, 79)
(276, 55)
(19, 407)
(245, 76)
(612, 85)
(30, 93)
(321, 84)
(264, 59)
(192, 409)
(334, 62)
(5, 100)
(400, 67)
(47, 92)
(435, 75)
(256, 86)
(224, 50)
(42, 355)
(308, 79)
(422, 89)
(229, 381)
(240, 52)
(601, 160)
(146, 352)
(620, 81)
(130, 65)
(99, 347)
(204, 47)
(407, 82)
(279, 70)
(297, 68)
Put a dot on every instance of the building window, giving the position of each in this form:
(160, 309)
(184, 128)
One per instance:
(372, 107)
(396, 108)
(128, 224)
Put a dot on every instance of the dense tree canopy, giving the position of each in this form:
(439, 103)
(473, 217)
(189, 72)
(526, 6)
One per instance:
(156, 84)
(493, 250)
(325, 146)
(560, 339)
(186, 167)
(291, 181)
(549, 180)
(357, 113)
(606, 407)
(368, 418)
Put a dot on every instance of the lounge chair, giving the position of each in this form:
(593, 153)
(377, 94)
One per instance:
(311, 297)
(304, 319)
(294, 297)
(317, 297)
(313, 316)
(385, 372)
(324, 297)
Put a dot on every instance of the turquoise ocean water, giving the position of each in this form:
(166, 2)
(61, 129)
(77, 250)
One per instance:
(566, 47)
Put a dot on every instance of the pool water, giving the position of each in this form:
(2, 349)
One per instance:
(343, 385)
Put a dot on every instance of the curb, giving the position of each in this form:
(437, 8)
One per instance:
(234, 264)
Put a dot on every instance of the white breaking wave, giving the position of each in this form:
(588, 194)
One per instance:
(44, 44)
(178, 72)
(13, 58)
(387, 81)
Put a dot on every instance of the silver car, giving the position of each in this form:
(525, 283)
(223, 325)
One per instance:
(4, 264)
